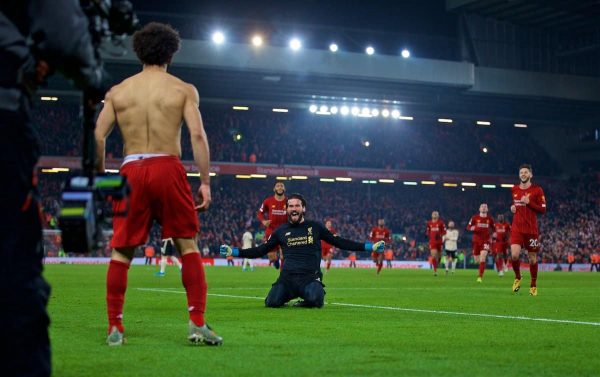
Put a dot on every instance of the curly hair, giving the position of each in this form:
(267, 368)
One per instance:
(156, 43)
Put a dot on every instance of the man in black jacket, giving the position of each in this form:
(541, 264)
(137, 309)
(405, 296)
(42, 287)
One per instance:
(36, 37)
(300, 242)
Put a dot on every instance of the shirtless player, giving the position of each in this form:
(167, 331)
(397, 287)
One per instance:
(149, 108)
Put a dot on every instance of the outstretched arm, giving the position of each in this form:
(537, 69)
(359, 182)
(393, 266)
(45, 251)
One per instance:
(253, 252)
(346, 244)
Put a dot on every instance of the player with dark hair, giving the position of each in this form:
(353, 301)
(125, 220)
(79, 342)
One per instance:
(150, 107)
(500, 244)
(481, 225)
(379, 233)
(300, 241)
(272, 214)
(528, 202)
(450, 246)
(435, 231)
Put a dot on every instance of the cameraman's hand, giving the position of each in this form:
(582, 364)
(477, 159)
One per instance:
(204, 196)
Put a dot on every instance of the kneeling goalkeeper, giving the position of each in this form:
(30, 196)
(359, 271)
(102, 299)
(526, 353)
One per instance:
(300, 242)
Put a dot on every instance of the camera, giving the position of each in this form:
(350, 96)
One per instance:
(87, 198)
(86, 204)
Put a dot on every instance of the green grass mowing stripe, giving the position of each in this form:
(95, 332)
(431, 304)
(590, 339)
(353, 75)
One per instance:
(521, 318)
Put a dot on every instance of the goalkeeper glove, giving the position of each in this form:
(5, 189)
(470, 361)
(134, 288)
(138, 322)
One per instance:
(226, 251)
(378, 246)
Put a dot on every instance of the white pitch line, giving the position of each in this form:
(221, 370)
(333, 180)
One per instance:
(519, 318)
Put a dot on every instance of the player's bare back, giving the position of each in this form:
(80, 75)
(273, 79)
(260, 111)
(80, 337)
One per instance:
(149, 109)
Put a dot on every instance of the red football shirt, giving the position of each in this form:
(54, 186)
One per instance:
(501, 232)
(274, 210)
(435, 231)
(380, 234)
(481, 227)
(525, 219)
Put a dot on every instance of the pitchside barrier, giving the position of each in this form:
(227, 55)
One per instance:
(52, 250)
(342, 263)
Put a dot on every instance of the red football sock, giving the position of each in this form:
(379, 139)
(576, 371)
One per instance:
(533, 269)
(499, 264)
(194, 281)
(116, 285)
(328, 265)
(435, 262)
(481, 268)
(516, 265)
(379, 266)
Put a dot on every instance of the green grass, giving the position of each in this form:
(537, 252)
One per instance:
(336, 340)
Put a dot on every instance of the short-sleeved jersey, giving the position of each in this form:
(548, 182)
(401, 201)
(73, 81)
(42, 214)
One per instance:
(482, 228)
(501, 233)
(380, 234)
(525, 219)
(325, 246)
(435, 231)
(274, 210)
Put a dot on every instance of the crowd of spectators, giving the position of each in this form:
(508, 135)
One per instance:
(570, 225)
(302, 138)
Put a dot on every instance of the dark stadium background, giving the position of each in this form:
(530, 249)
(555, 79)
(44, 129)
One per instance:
(526, 62)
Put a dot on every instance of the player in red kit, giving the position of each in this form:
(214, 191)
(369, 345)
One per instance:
(379, 233)
(272, 214)
(327, 249)
(528, 201)
(435, 231)
(482, 226)
(500, 244)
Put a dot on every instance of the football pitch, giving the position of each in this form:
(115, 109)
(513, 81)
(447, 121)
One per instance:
(401, 323)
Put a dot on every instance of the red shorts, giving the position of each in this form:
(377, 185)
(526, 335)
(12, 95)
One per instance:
(479, 246)
(375, 255)
(159, 191)
(435, 246)
(499, 248)
(526, 241)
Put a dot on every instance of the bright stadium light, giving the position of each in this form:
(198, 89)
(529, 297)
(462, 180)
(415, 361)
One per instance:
(334, 110)
(375, 112)
(365, 111)
(395, 114)
(218, 37)
(385, 113)
(355, 111)
(295, 44)
(312, 108)
(333, 47)
(367, 143)
(344, 110)
(323, 109)
(370, 50)
(405, 54)
(257, 41)
(484, 150)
